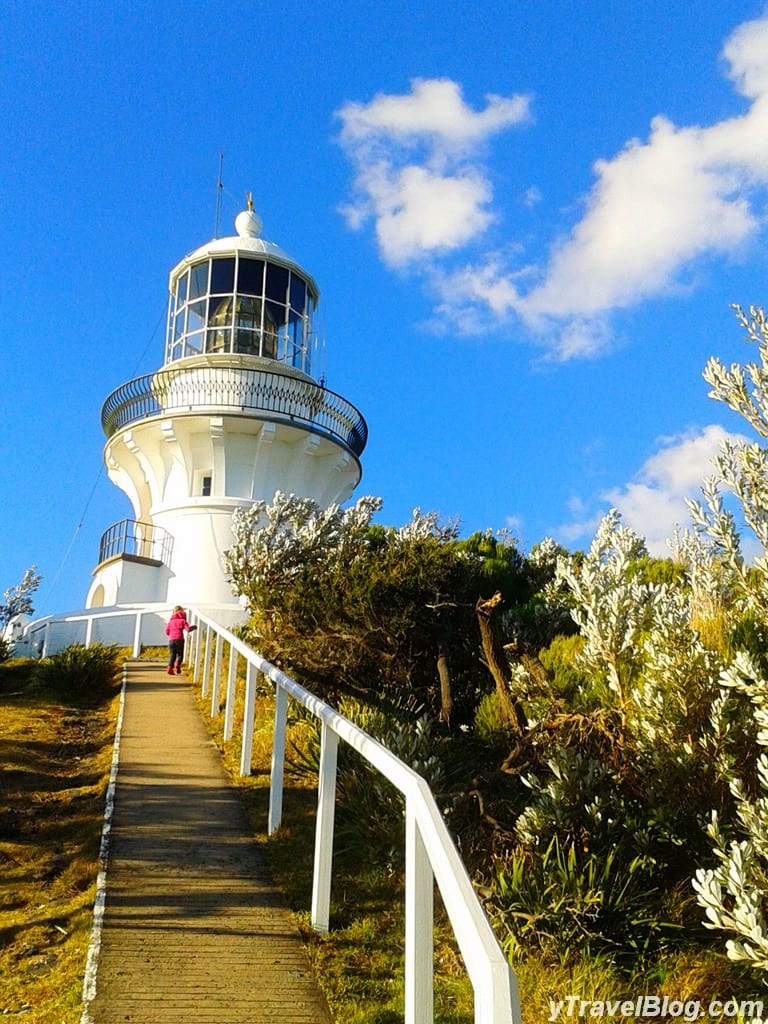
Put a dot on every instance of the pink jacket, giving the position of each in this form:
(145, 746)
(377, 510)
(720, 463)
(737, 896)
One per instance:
(177, 624)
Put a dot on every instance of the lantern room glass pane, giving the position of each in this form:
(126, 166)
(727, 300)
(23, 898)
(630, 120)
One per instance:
(222, 275)
(274, 313)
(198, 280)
(247, 341)
(248, 312)
(268, 344)
(219, 339)
(219, 310)
(295, 328)
(181, 289)
(194, 343)
(277, 283)
(250, 276)
(298, 295)
(196, 315)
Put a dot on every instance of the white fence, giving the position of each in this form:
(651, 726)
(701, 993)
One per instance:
(133, 626)
(430, 854)
(127, 627)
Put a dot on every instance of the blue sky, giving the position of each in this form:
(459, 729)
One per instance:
(527, 221)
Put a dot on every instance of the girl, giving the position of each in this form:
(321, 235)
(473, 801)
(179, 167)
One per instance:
(175, 630)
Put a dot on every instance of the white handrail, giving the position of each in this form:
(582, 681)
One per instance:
(38, 632)
(431, 855)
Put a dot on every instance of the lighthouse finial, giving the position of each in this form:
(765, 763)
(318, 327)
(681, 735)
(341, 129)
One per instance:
(248, 223)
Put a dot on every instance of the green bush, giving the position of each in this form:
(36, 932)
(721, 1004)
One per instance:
(370, 823)
(81, 675)
(560, 660)
(569, 901)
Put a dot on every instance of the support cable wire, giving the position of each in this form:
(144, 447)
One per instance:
(99, 475)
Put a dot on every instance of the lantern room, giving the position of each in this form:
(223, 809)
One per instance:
(242, 295)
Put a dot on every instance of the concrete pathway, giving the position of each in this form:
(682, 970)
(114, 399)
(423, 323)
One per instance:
(194, 930)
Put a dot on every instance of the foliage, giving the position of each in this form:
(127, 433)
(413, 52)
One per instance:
(639, 683)
(575, 901)
(741, 468)
(610, 604)
(370, 810)
(81, 675)
(18, 599)
(618, 763)
(501, 565)
(568, 680)
(733, 893)
(383, 614)
(490, 724)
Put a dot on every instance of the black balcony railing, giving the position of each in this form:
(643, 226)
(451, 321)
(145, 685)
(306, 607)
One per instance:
(141, 540)
(223, 388)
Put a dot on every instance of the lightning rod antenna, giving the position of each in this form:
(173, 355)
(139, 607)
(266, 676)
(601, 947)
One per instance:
(219, 191)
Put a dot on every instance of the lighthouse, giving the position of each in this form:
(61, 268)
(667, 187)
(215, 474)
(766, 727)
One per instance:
(233, 415)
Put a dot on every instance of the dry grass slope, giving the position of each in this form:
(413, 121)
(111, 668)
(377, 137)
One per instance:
(54, 767)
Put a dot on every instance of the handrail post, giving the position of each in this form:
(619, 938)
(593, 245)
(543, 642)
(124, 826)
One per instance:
(206, 663)
(249, 716)
(278, 761)
(419, 917)
(229, 710)
(137, 635)
(192, 639)
(88, 630)
(198, 653)
(326, 807)
(216, 683)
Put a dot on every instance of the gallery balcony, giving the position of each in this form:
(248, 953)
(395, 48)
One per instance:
(228, 388)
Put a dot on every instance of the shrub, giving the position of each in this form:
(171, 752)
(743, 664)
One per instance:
(561, 660)
(81, 675)
(370, 814)
(384, 615)
(491, 724)
(570, 901)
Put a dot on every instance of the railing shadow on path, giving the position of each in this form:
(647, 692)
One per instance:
(189, 925)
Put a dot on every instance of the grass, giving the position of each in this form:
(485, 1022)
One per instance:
(54, 766)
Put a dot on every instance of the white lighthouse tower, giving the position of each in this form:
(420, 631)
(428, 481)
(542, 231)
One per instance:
(233, 415)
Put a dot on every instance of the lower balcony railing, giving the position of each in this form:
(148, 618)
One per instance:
(140, 540)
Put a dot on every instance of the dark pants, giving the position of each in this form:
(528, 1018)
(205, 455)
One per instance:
(175, 652)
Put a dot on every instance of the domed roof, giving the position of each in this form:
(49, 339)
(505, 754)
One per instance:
(247, 240)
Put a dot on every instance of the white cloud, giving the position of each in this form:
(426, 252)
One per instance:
(421, 211)
(418, 168)
(583, 524)
(653, 504)
(655, 208)
(745, 51)
(433, 111)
